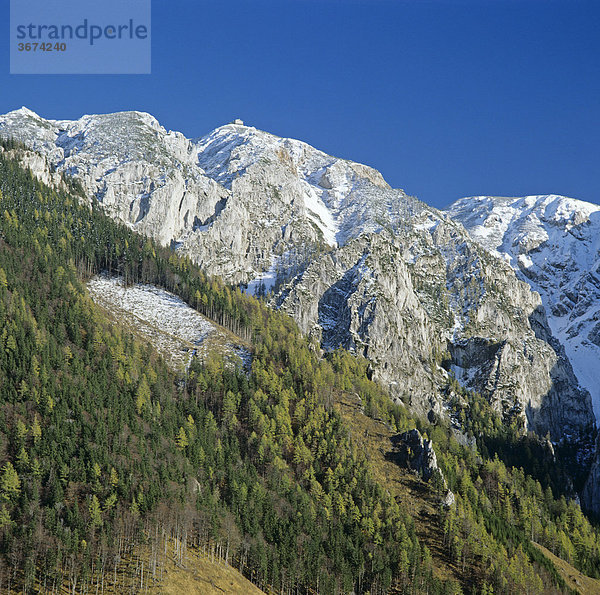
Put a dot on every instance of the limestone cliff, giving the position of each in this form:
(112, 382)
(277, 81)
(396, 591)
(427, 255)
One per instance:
(356, 263)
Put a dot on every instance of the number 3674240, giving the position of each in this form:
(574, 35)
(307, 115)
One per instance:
(42, 47)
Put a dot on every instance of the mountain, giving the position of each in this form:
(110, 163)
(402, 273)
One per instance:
(113, 466)
(202, 195)
(357, 264)
(553, 243)
(124, 469)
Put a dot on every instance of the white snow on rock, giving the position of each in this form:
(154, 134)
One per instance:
(265, 281)
(325, 183)
(321, 216)
(177, 331)
(553, 243)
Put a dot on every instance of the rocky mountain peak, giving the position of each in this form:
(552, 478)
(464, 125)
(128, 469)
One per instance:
(356, 263)
(24, 112)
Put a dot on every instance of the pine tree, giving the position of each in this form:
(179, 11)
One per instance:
(95, 512)
(96, 471)
(23, 460)
(142, 397)
(5, 520)
(36, 468)
(110, 502)
(21, 430)
(10, 484)
(36, 430)
(182, 439)
(114, 478)
(134, 508)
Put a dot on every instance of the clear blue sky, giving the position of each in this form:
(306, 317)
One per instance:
(446, 98)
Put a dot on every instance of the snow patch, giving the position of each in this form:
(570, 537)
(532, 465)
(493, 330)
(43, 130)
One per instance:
(320, 215)
(176, 330)
(265, 281)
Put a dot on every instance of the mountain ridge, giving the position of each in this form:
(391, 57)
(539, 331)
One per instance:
(551, 242)
(356, 263)
(268, 450)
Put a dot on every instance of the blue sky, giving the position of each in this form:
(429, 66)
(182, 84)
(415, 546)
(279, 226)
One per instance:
(446, 98)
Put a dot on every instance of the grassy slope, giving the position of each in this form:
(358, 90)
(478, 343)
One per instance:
(197, 575)
(573, 577)
(415, 495)
(200, 576)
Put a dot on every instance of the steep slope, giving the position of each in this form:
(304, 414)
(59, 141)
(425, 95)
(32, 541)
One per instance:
(553, 243)
(579, 582)
(161, 184)
(375, 437)
(402, 298)
(106, 454)
(177, 331)
(356, 263)
(196, 573)
(141, 174)
(108, 458)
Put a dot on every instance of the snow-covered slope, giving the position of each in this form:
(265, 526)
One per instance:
(553, 243)
(176, 330)
(328, 187)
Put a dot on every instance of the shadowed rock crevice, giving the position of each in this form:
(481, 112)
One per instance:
(567, 419)
(219, 206)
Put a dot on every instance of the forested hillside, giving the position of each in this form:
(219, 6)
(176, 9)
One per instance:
(106, 454)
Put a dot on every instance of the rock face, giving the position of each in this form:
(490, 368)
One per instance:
(590, 496)
(403, 296)
(553, 243)
(356, 263)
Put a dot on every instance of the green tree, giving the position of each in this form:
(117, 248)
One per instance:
(142, 395)
(114, 478)
(5, 520)
(36, 430)
(182, 439)
(10, 484)
(95, 512)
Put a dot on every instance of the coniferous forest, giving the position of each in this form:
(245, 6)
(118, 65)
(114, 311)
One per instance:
(107, 456)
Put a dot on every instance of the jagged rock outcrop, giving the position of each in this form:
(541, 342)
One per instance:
(410, 449)
(356, 263)
(552, 243)
(401, 297)
(417, 453)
